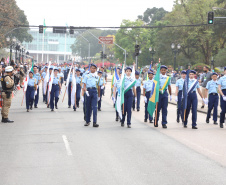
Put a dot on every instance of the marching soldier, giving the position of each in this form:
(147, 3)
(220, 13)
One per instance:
(128, 98)
(164, 84)
(78, 87)
(147, 90)
(69, 89)
(55, 91)
(178, 98)
(37, 76)
(90, 88)
(7, 89)
(43, 78)
(211, 89)
(30, 93)
(101, 85)
(138, 90)
(222, 91)
(192, 101)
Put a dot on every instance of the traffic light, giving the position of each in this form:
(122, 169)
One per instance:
(105, 56)
(137, 50)
(71, 30)
(210, 17)
(40, 28)
(101, 55)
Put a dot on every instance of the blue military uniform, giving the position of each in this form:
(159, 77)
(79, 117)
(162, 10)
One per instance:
(180, 84)
(138, 90)
(30, 92)
(192, 101)
(69, 91)
(38, 78)
(163, 98)
(148, 86)
(213, 99)
(128, 100)
(43, 76)
(61, 76)
(101, 85)
(84, 103)
(222, 82)
(78, 89)
(91, 81)
(55, 91)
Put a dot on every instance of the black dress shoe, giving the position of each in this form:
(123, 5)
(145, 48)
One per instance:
(8, 121)
(30, 107)
(202, 107)
(87, 124)
(99, 109)
(47, 106)
(69, 107)
(194, 127)
(78, 106)
(122, 124)
(185, 126)
(207, 121)
(74, 109)
(52, 110)
(56, 107)
(116, 119)
(95, 125)
(128, 126)
(221, 125)
(164, 126)
(36, 106)
(145, 120)
(27, 110)
(215, 123)
(4, 120)
(138, 110)
(150, 121)
(178, 121)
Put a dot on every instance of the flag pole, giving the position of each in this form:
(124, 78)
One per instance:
(156, 110)
(23, 99)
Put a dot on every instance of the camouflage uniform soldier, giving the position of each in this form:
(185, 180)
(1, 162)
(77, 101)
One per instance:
(7, 88)
(22, 74)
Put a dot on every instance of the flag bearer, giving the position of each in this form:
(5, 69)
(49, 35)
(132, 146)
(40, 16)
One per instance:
(138, 90)
(211, 89)
(69, 89)
(47, 91)
(101, 84)
(43, 78)
(128, 97)
(147, 90)
(55, 91)
(192, 101)
(115, 93)
(90, 88)
(178, 93)
(164, 84)
(78, 87)
(37, 76)
(222, 91)
(30, 93)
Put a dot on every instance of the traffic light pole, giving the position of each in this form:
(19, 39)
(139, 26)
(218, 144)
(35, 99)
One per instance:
(88, 46)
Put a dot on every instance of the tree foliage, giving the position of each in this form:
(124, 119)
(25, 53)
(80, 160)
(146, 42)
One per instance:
(11, 15)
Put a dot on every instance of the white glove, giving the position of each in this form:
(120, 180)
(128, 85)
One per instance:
(98, 98)
(176, 99)
(87, 93)
(82, 98)
(224, 98)
(61, 91)
(170, 97)
(203, 100)
(102, 87)
(36, 92)
(135, 99)
(145, 99)
(206, 101)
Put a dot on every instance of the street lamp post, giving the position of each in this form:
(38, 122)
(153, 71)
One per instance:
(175, 50)
(12, 43)
(152, 52)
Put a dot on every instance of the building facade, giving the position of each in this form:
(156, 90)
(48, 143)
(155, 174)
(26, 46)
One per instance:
(50, 45)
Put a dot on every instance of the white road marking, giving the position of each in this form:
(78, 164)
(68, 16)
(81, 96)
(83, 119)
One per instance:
(67, 146)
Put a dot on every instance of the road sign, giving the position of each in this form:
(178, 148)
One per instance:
(106, 40)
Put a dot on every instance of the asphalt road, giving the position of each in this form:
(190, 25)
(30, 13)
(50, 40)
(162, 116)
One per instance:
(54, 148)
